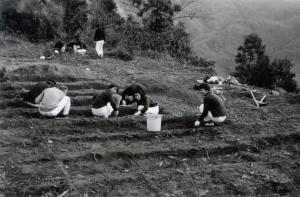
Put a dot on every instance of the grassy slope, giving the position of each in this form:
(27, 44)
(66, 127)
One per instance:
(256, 151)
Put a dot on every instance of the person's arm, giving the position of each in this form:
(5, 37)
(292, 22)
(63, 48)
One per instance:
(39, 98)
(112, 102)
(205, 110)
(146, 105)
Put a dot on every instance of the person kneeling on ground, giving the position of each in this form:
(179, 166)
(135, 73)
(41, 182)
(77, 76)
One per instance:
(128, 93)
(59, 47)
(35, 91)
(213, 110)
(106, 103)
(145, 104)
(53, 100)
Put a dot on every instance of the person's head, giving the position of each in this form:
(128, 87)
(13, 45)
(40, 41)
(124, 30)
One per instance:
(113, 88)
(129, 97)
(64, 88)
(51, 82)
(137, 96)
(204, 87)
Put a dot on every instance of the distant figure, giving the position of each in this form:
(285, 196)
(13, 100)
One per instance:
(77, 47)
(145, 104)
(128, 93)
(59, 47)
(213, 110)
(80, 47)
(35, 91)
(53, 101)
(99, 38)
(107, 102)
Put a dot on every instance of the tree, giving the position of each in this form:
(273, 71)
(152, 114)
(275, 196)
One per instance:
(249, 55)
(254, 67)
(75, 17)
(157, 15)
(283, 76)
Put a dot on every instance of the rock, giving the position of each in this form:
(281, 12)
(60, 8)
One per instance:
(275, 92)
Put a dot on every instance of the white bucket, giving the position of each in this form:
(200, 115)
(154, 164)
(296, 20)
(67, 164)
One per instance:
(154, 122)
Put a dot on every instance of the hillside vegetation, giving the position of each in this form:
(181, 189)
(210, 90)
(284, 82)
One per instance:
(222, 25)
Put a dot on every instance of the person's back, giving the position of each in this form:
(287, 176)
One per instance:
(50, 98)
(99, 35)
(215, 105)
(101, 99)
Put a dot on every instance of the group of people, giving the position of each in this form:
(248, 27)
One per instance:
(51, 99)
(78, 46)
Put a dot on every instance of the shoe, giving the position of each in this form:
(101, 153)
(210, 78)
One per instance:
(197, 123)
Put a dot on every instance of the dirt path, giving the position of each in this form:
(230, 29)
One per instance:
(255, 153)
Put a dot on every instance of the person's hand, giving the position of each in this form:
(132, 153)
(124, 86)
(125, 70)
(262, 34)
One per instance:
(115, 113)
(197, 123)
(123, 102)
(137, 113)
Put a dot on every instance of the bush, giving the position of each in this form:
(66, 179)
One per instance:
(254, 66)
(124, 54)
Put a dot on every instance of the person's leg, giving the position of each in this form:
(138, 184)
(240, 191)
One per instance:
(117, 98)
(64, 104)
(67, 106)
(100, 111)
(109, 109)
(101, 43)
(98, 48)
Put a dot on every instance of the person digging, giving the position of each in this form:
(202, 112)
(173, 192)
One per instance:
(213, 111)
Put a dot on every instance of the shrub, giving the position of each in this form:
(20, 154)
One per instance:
(124, 54)
(254, 66)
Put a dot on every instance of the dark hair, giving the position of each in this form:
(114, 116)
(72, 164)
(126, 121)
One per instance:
(113, 86)
(51, 82)
(204, 86)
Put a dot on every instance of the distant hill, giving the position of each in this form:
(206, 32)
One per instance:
(222, 25)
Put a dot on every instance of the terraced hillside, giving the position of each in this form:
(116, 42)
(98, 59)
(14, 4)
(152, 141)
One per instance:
(255, 153)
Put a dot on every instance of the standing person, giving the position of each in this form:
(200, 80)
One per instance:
(35, 91)
(128, 93)
(99, 38)
(145, 105)
(107, 102)
(213, 110)
(53, 100)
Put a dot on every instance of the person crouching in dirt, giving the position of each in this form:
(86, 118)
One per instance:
(107, 102)
(213, 110)
(145, 104)
(59, 47)
(52, 101)
(128, 93)
(35, 91)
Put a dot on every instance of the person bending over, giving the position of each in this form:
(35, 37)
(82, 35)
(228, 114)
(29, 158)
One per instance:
(106, 103)
(52, 101)
(213, 110)
(128, 93)
(145, 104)
(35, 91)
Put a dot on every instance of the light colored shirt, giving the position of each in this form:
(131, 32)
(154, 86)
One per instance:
(50, 98)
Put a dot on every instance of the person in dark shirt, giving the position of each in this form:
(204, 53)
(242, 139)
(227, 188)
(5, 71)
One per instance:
(59, 47)
(213, 110)
(99, 39)
(145, 105)
(128, 93)
(35, 91)
(106, 103)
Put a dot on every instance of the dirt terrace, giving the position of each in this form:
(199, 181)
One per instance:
(255, 153)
